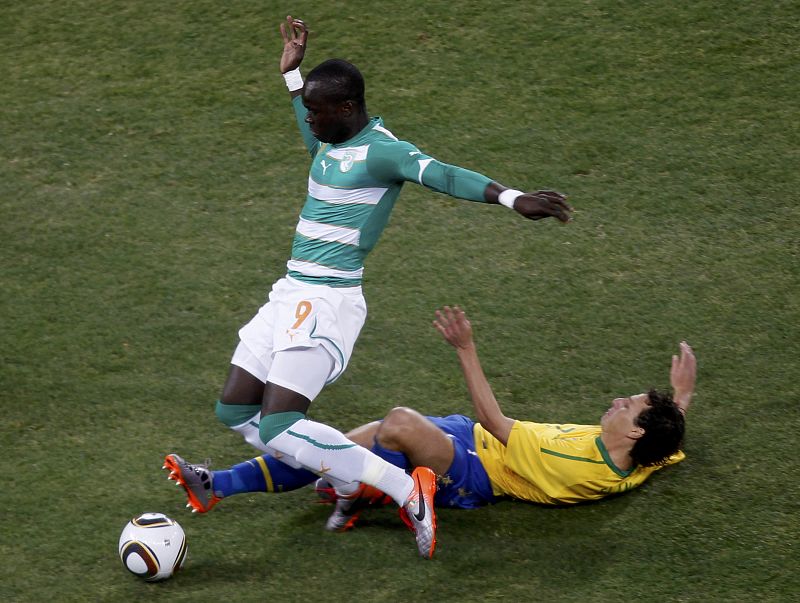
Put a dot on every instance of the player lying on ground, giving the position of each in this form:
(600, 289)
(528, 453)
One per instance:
(479, 462)
(302, 338)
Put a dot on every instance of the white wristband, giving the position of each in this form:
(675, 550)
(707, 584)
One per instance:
(508, 196)
(293, 79)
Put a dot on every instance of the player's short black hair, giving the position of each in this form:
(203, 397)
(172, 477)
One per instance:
(340, 81)
(663, 425)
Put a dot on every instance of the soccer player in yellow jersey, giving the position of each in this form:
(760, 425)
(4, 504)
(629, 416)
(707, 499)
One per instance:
(480, 462)
(498, 456)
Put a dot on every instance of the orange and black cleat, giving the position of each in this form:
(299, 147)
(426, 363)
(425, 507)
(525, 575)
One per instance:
(196, 481)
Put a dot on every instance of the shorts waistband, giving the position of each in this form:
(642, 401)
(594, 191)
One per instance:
(356, 290)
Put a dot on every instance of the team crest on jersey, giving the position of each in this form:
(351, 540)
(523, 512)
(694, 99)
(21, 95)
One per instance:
(346, 163)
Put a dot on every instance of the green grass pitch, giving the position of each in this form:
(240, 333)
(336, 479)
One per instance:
(150, 180)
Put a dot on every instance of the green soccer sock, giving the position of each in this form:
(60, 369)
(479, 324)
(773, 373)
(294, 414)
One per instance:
(234, 415)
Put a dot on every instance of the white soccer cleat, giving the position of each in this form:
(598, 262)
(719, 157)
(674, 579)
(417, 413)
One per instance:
(419, 513)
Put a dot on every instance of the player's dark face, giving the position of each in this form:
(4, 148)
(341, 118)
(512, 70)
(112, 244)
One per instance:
(327, 120)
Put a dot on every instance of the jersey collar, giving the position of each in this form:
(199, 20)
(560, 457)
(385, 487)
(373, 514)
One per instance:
(607, 458)
(350, 142)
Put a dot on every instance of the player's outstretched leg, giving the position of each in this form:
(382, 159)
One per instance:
(195, 479)
(419, 513)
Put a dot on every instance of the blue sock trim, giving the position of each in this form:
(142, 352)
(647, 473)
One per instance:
(261, 474)
(283, 478)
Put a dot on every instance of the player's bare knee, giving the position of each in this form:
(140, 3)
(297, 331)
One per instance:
(398, 426)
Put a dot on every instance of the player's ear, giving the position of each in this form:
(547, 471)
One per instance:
(636, 432)
(347, 108)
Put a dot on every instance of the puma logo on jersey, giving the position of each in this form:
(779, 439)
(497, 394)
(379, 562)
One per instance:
(412, 153)
(325, 166)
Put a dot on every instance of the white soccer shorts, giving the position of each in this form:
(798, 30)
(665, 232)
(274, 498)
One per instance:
(301, 316)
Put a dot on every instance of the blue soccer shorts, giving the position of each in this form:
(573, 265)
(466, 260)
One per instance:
(465, 485)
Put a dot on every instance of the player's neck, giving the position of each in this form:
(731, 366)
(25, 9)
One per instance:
(360, 122)
(619, 449)
(350, 128)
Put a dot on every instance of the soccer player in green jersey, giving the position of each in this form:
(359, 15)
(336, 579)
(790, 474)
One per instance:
(496, 457)
(302, 338)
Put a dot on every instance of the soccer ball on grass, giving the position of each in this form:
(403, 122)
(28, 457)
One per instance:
(152, 546)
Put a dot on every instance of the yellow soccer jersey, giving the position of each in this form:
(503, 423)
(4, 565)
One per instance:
(555, 464)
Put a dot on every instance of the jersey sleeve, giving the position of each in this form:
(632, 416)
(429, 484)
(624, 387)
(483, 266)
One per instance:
(312, 144)
(402, 161)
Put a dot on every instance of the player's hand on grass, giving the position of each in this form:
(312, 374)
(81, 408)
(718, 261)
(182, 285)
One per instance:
(682, 376)
(294, 34)
(454, 326)
(543, 204)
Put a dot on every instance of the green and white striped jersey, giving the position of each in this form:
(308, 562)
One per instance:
(352, 188)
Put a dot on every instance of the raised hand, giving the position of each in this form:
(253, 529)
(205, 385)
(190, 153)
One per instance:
(682, 376)
(295, 34)
(454, 326)
(543, 204)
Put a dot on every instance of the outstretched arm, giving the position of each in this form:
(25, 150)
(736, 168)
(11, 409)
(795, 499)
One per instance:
(456, 329)
(682, 376)
(403, 161)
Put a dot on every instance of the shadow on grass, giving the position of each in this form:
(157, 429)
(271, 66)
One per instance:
(569, 547)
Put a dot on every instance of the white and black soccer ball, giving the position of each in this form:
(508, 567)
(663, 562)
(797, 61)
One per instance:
(152, 546)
